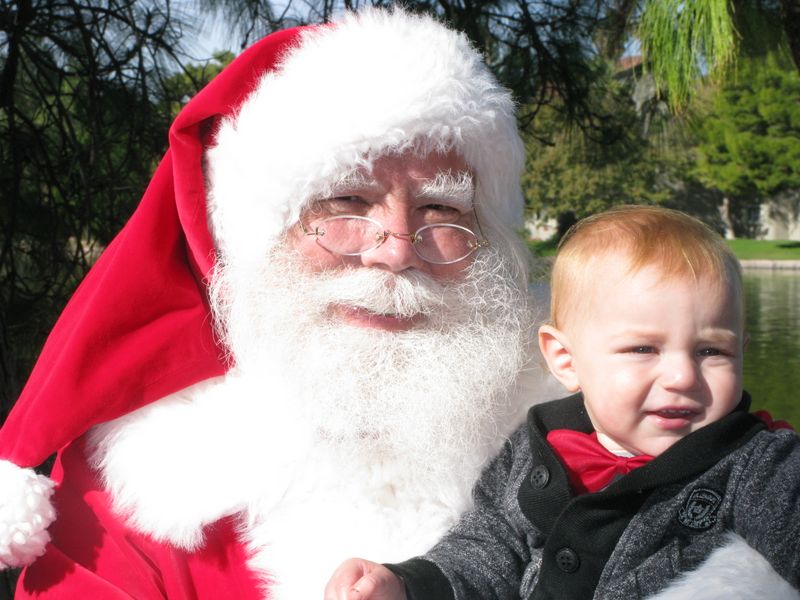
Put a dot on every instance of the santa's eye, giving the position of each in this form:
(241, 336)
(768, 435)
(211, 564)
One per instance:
(339, 205)
(439, 208)
(439, 213)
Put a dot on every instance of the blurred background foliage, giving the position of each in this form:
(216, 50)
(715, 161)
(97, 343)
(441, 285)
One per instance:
(693, 104)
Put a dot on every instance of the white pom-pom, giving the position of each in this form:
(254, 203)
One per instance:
(25, 514)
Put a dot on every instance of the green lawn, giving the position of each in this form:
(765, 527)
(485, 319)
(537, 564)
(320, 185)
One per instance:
(765, 249)
(744, 249)
(542, 248)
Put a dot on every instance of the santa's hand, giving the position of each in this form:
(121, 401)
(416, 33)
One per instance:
(359, 579)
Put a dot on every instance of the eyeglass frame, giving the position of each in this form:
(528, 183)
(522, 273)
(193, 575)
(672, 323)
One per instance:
(385, 234)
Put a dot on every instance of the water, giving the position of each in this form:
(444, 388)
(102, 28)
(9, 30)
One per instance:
(772, 359)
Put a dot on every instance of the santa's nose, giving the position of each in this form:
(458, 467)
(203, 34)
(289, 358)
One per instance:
(396, 253)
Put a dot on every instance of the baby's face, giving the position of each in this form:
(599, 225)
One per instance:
(656, 359)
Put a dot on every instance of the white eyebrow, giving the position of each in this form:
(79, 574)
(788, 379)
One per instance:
(353, 180)
(449, 186)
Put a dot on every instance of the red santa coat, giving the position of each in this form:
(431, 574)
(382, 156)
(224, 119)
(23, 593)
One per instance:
(104, 558)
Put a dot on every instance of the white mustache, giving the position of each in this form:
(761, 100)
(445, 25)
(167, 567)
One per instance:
(404, 295)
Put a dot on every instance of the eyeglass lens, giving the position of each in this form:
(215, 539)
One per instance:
(438, 244)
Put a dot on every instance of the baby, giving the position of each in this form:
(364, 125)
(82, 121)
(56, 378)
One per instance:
(654, 461)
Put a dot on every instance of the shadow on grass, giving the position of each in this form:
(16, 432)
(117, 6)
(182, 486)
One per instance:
(543, 247)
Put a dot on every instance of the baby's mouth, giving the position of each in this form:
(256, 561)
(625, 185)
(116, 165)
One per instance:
(675, 413)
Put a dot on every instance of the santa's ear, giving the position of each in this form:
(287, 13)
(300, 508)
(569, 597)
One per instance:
(555, 348)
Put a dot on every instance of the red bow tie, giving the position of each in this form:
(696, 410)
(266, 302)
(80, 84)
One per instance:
(590, 466)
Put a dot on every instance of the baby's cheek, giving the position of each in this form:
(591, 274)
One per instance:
(632, 382)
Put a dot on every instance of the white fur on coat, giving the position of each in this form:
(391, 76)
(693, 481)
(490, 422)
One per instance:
(215, 450)
(733, 572)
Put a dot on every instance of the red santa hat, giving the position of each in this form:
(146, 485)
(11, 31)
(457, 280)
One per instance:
(288, 115)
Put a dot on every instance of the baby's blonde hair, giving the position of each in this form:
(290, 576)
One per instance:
(678, 245)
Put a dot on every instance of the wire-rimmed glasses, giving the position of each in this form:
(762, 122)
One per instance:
(437, 243)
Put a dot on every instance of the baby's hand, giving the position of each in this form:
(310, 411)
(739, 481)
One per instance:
(359, 579)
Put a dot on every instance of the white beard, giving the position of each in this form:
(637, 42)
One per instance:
(400, 423)
(427, 396)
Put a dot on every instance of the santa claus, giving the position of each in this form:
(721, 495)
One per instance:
(305, 344)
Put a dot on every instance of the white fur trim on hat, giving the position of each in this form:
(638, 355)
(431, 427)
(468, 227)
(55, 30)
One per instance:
(25, 514)
(377, 82)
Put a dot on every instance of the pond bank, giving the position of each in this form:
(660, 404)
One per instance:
(770, 264)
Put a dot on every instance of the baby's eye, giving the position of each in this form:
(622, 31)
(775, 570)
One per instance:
(642, 350)
(710, 352)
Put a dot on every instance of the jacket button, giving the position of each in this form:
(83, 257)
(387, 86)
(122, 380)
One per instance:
(567, 560)
(540, 476)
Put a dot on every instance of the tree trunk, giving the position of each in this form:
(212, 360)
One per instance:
(790, 15)
(727, 221)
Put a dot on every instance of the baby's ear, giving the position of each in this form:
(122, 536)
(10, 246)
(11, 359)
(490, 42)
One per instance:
(555, 348)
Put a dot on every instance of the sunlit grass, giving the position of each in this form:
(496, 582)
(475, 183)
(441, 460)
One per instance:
(766, 249)
(744, 249)
(542, 247)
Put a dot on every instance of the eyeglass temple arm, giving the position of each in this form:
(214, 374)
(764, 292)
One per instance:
(483, 242)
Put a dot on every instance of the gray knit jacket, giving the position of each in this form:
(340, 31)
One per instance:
(528, 536)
